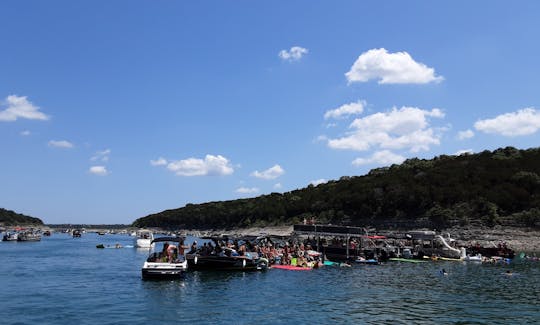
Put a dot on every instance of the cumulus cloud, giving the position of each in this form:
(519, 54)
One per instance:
(523, 122)
(101, 155)
(346, 110)
(271, 173)
(209, 166)
(404, 128)
(247, 190)
(464, 152)
(390, 68)
(294, 54)
(463, 135)
(99, 170)
(159, 162)
(20, 107)
(318, 181)
(60, 144)
(384, 157)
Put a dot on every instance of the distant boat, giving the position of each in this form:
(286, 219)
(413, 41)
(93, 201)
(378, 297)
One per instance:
(144, 238)
(10, 236)
(29, 236)
(76, 233)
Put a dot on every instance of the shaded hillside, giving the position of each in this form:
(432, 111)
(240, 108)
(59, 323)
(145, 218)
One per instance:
(489, 188)
(10, 218)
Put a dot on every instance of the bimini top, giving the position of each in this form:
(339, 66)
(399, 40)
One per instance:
(171, 239)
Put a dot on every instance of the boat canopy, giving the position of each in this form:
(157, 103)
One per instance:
(171, 239)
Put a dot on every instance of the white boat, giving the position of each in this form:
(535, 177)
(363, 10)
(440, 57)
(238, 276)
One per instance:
(165, 262)
(475, 258)
(29, 235)
(10, 236)
(144, 238)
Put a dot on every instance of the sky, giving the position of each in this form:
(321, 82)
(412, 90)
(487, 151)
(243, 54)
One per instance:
(113, 110)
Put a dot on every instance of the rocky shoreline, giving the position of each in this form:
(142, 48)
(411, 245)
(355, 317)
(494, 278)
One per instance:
(518, 239)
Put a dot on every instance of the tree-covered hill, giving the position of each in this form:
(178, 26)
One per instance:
(488, 188)
(10, 218)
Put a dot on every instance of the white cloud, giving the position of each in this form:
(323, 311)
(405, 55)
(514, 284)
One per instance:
(278, 186)
(463, 135)
(25, 133)
(346, 110)
(101, 155)
(60, 144)
(20, 107)
(294, 54)
(99, 170)
(523, 122)
(318, 181)
(159, 162)
(271, 173)
(390, 68)
(247, 190)
(464, 151)
(209, 166)
(407, 127)
(383, 157)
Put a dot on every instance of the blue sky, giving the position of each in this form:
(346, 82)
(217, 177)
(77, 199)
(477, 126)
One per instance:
(112, 110)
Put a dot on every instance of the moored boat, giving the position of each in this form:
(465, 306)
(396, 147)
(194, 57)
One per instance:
(10, 236)
(144, 238)
(223, 258)
(168, 263)
(29, 235)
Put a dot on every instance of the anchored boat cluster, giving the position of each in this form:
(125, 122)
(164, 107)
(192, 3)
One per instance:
(308, 247)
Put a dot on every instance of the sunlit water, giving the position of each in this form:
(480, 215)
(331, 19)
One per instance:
(63, 280)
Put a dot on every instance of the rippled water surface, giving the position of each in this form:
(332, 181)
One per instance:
(64, 280)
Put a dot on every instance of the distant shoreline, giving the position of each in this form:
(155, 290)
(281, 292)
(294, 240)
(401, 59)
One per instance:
(519, 239)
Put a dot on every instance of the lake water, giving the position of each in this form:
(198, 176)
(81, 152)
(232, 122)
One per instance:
(65, 280)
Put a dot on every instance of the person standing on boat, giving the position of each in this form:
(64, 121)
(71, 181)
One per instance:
(193, 247)
(171, 249)
(182, 248)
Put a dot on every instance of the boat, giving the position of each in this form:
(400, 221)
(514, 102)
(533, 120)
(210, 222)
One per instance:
(370, 261)
(76, 233)
(47, 233)
(10, 236)
(166, 263)
(291, 267)
(408, 260)
(29, 235)
(144, 238)
(220, 258)
(473, 258)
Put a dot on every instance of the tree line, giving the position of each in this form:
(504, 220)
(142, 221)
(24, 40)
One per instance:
(483, 189)
(11, 218)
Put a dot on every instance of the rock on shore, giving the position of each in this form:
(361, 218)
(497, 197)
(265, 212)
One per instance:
(518, 239)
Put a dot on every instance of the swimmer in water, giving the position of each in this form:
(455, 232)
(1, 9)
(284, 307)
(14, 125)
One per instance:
(443, 272)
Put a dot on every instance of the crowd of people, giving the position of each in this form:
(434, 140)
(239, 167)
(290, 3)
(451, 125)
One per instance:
(298, 254)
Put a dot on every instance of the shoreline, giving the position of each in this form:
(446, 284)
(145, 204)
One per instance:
(518, 239)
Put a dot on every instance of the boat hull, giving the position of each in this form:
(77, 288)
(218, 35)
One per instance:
(219, 263)
(163, 270)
